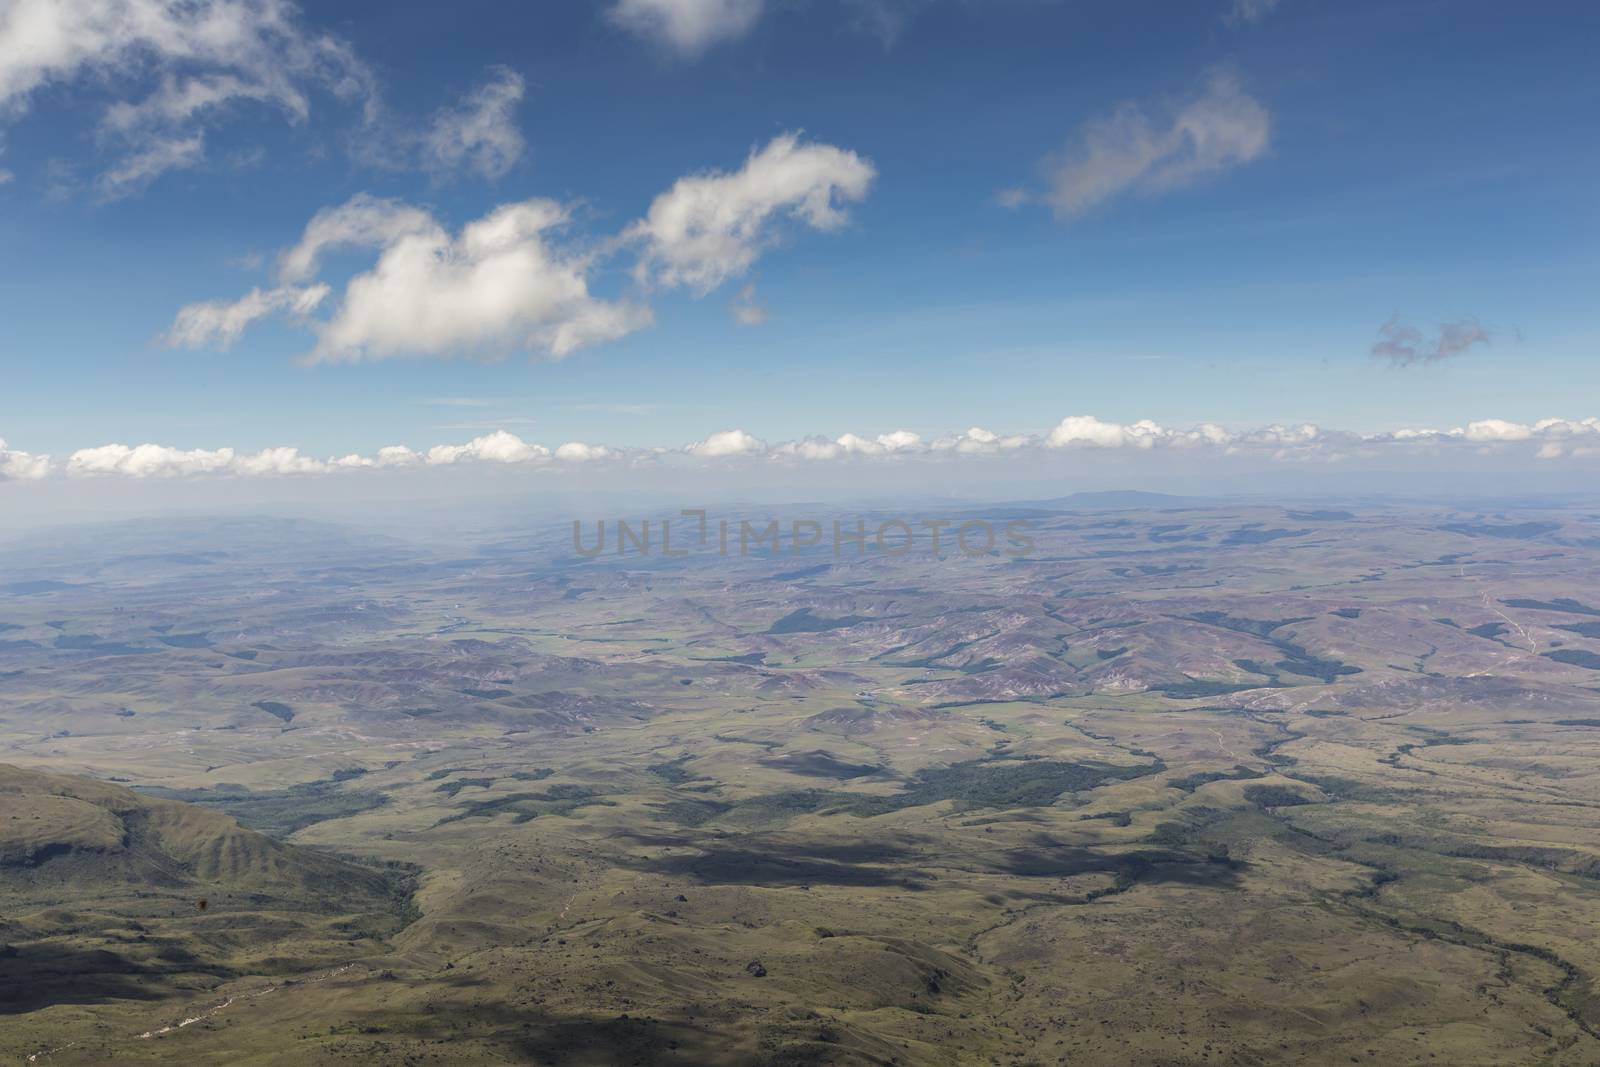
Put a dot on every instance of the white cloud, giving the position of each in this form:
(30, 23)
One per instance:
(389, 456)
(1495, 430)
(481, 132)
(278, 461)
(1277, 435)
(809, 448)
(499, 285)
(746, 309)
(363, 221)
(219, 323)
(21, 466)
(497, 447)
(979, 441)
(206, 57)
(727, 443)
(578, 452)
(881, 445)
(1547, 439)
(139, 168)
(688, 27)
(397, 456)
(1220, 128)
(160, 461)
(711, 227)
(821, 448)
(176, 102)
(1567, 427)
(147, 461)
(502, 284)
(1086, 431)
(899, 441)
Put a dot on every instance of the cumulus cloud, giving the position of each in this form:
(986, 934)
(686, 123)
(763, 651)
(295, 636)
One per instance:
(687, 27)
(500, 284)
(397, 456)
(1220, 128)
(979, 441)
(884, 444)
(278, 461)
(497, 447)
(1495, 430)
(1403, 345)
(161, 461)
(204, 56)
(711, 227)
(21, 466)
(387, 457)
(1567, 427)
(147, 461)
(504, 282)
(578, 452)
(1579, 439)
(481, 132)
(363, 221)
(219, 323)
(1088, 431)
(725, 444)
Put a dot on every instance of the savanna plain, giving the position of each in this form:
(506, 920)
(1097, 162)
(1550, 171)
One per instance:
(1189, 783)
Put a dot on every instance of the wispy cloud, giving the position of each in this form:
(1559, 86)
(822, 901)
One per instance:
(884, 20)
(219, 323)
(1403, 345)
(746, 309)
(1246, 11)
(1127, 151)
(173, 69)
(480, 133)
(139, 168)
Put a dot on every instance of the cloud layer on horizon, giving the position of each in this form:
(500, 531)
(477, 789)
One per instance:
(1546, 439)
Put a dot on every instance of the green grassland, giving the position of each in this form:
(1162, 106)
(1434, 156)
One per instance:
(1230, 787)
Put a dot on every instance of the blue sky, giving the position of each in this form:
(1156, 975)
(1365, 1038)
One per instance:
(1275, 182)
